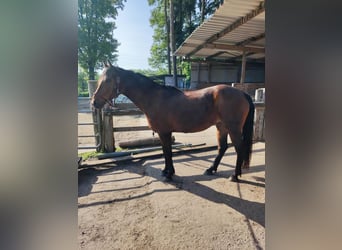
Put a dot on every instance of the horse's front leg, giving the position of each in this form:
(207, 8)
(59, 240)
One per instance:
(166, 141)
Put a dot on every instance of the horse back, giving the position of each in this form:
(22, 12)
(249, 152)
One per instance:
(193, 111)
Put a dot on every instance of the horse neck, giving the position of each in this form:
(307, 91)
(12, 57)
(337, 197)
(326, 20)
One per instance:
(139, 90)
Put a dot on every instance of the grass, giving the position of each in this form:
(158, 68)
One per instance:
(87, 155)
(93, 154)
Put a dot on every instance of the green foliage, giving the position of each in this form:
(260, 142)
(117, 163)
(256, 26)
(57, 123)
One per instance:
(95, 33)
(188, 16)
(149, 72)
(82, 82)
(83, 93)
(206, 8)
(159, 56)
(186, 69)
(93, 154)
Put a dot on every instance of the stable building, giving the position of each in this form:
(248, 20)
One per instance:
(229, 47)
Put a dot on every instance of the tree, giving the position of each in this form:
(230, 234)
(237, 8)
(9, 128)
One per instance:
(95, 33)
(82, 81)
(160, 50)
(160, 21)
(188, 15)
(207, 8)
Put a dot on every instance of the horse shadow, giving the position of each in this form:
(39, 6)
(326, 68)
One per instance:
(87, 177)
(193, 184)
(250, 209)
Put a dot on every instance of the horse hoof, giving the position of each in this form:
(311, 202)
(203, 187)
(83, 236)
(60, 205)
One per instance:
(209, 172)
(233, 178)
(164, 173)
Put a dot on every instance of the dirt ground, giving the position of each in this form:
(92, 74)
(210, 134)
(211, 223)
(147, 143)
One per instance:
(129, 206)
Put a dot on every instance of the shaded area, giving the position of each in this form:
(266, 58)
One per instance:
(252, 210)
(131, 205)
(125, 198)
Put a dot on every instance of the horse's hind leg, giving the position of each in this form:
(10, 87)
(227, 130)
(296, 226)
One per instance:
(236, 137)
(166, 141)
(222, 134)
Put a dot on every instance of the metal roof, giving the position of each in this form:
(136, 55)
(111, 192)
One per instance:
(237, 26)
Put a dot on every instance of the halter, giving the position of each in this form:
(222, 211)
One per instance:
(109, 103)
(117, 92)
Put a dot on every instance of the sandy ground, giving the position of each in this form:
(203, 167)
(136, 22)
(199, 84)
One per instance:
(129, 206)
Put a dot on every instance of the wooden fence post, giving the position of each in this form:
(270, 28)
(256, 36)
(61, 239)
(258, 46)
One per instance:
(108, 132)
(97, 117)
(259, 122)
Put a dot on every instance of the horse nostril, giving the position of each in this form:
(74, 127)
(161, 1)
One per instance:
(94, 103)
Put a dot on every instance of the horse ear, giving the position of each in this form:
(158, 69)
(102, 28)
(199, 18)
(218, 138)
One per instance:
(105, 64)
(109, 64)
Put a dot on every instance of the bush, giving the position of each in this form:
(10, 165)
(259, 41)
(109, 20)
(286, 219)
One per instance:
(83, 94)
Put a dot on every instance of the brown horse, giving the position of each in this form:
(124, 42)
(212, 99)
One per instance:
(170, 110)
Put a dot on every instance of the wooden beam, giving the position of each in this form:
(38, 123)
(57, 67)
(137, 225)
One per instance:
(234, 47)
(233, 26)
(228, 47)
(240, 57)
(217, 54)
(233, 61)
(127, 129)
(251, 39)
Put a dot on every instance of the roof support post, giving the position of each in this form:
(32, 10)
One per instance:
(209, 72)
(198, 74)
(243, 68)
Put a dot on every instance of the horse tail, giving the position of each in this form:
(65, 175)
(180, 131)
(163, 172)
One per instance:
(247, 133)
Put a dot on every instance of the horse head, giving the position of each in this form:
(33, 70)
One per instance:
(107, 86)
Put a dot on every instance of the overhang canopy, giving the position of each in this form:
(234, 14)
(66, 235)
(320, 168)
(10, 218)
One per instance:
(236, 27)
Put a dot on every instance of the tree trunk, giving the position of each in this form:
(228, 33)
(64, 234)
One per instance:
(91, 72)
(203, 3)
(167, 24)
(173, 43)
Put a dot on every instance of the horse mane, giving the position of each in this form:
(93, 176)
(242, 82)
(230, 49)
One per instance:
(147, 81)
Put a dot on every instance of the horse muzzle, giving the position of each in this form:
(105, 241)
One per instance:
(97, 103)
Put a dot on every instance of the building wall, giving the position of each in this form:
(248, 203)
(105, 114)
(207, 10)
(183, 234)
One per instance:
(207, 74)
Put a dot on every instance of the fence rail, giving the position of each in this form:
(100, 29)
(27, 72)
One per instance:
(97, 133)
(104, 129)
(128, 129)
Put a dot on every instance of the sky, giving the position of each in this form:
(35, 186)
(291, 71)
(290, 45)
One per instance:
(134, 35)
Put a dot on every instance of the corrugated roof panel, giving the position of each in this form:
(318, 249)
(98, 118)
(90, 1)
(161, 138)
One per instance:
(226, 15)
